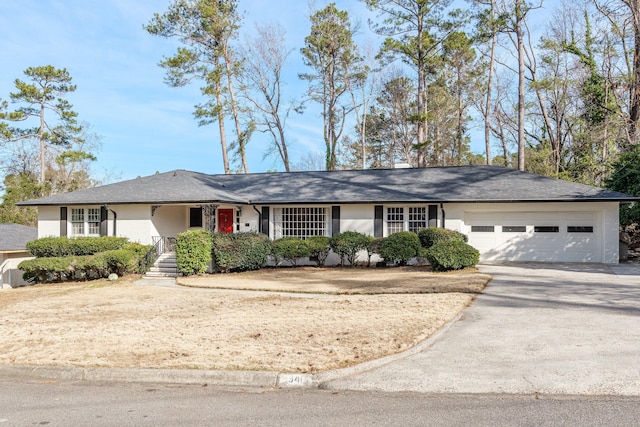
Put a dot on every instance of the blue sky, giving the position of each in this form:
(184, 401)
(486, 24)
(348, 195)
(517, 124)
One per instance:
(144, 125)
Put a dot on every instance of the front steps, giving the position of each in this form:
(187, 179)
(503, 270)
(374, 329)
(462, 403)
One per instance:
(165, 266)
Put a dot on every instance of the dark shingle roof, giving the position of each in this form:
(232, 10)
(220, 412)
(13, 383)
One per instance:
(14, 237)
(439, 184)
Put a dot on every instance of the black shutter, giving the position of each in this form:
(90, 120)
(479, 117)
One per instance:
(433, 215)
(104, 221)
(264, 218)
(378, 221)
(63, 221)
(335, 220)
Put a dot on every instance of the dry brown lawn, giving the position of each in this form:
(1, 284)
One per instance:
(120, 324)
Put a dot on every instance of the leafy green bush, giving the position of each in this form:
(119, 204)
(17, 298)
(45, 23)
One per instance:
(120, 261)
(452, 255)
(240, 251)
(348, 244)
(63, 246)
(140, 252)
(51, 269)
(101, 264)
(373, 248)
(193, 251)
(91, 266)
(290, 249)
(319, 248)
(400, 247)
(430, 236)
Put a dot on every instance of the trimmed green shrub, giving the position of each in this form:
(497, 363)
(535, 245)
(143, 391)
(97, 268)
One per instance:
(140, 252)
(319, 248)
(291, 249)
(119, 261)
(55, 269)
(373, 248)
(193, 251)
(63, 246)
(452, 255)
(348, 244)
(91, 266)
(240, 251)
(400, 247)
(430, 236)
(51, 269)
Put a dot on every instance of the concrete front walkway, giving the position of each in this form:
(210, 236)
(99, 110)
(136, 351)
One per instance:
(537, 328)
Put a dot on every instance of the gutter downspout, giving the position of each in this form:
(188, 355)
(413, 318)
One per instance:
(443, 214)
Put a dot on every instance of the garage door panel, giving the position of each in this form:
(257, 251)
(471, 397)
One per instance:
(550, 241)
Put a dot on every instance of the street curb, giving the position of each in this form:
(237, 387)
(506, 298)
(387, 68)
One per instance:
(209, 377)
(176, 376)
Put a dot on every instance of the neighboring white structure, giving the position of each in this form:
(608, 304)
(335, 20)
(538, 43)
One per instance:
(507, 215)
(13, 241)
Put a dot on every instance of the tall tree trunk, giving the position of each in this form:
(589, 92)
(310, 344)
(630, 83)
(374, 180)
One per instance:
(223, 137)
(42, 142)
(634, 111)
(521, 100)
(234, 110)
(487, 102)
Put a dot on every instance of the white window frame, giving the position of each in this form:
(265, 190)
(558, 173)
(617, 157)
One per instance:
(85, 221)
(301, 221)
(405, 218)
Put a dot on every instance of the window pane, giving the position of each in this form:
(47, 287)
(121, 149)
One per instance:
(93, 219)
(579, 229)
(195, 217)
(514, 228)
(482, 228)
(417, 218)
(77, 222)
(546, 229)
(395, 220)
(300, 222)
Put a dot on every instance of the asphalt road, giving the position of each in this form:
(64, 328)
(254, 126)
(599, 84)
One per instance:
(110, 404)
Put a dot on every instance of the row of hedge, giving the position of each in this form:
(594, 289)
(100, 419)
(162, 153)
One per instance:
(128, 258)
(47, 247)
(444, 249)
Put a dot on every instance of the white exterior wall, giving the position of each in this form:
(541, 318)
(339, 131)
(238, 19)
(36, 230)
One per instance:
(249, 220)
(611, 230)
(358, 218)
(10, 276)
(136, 222)
(133, 222)
(48, 221)
(169, 221)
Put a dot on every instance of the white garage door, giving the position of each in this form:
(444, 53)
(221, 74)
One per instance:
(535, 236)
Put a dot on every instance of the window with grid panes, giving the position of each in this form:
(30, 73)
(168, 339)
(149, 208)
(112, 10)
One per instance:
(300, 222)
(93, 220)
(85, 221)
(77, 222)
(395, 220)
(417, 218)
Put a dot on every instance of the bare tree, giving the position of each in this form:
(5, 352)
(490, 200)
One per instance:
(266, 55)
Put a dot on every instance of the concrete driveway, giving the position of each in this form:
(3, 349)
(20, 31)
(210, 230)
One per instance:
(537, 328)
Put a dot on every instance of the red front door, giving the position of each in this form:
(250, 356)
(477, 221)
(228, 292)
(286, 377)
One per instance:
(225, 220)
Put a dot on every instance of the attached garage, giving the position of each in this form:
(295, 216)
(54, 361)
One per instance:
(536, 236)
